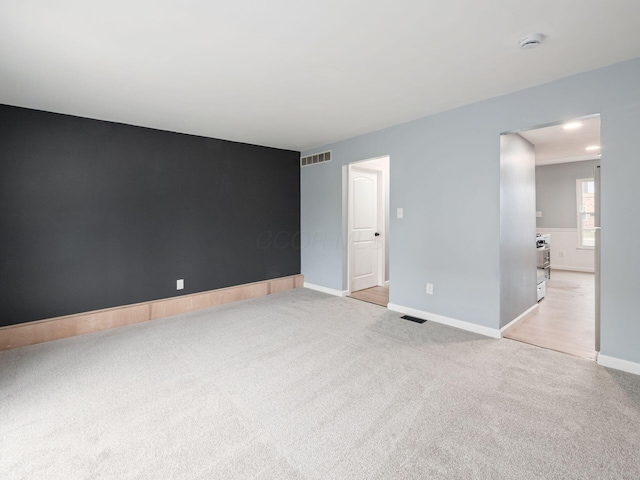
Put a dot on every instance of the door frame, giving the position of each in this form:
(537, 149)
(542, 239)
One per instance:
(597, 249)
(383, 216)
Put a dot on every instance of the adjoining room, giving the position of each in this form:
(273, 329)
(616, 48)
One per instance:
(368, 230)
(567, 193)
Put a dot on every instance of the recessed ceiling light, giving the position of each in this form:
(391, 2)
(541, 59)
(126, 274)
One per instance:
(572, 125)
(530, 41)
(592, 148)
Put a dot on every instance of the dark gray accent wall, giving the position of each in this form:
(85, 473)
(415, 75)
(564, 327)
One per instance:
(517, 227)
(95, 214)
(556, 192)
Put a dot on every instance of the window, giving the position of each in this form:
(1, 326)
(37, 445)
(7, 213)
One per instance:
(586, 212)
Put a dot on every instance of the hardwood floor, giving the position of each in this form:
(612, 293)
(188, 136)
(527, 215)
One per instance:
(565, 319)
(377, 295)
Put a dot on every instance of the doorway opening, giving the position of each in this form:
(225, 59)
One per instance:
(567, 244)
(368, 230)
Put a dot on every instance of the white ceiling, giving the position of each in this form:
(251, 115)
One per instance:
(555, 144)
(290, 73)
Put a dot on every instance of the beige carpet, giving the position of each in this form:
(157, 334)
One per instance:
(303, 385)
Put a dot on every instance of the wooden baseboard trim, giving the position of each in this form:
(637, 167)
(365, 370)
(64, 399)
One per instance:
(23, 334)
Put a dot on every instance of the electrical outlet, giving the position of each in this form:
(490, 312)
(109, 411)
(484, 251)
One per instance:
(180, 284)
(400, 213)
(560, 254)
(429, 288)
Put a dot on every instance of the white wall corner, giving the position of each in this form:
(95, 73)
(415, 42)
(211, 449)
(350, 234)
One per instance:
(330, 291)
(619, 364)
(451, 322)
(518, 319)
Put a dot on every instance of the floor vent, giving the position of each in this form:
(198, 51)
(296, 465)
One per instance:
(413, 319)
(315, 159)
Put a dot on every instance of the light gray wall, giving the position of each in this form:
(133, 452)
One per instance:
(556, 193)
(518, 283)
(445, 172)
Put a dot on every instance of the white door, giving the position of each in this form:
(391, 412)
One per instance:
(364, 232)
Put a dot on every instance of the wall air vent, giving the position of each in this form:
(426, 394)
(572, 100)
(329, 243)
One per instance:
(315, 159)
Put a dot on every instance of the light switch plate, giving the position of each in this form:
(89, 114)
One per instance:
(400, 213)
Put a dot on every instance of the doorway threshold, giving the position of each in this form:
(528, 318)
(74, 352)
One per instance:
(375, 295)
(565, 319)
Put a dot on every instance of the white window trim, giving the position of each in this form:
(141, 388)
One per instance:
(579, 213)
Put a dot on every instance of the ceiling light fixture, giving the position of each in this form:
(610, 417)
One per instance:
(531, 41)
(572, 125)
(592, 148)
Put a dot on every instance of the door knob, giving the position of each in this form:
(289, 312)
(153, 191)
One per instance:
(377, 234)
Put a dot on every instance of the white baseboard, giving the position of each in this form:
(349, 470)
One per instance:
(322, 289)
(452, 322)
(619, 364)
(386, 283)
(571, 269)
(518, 319)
